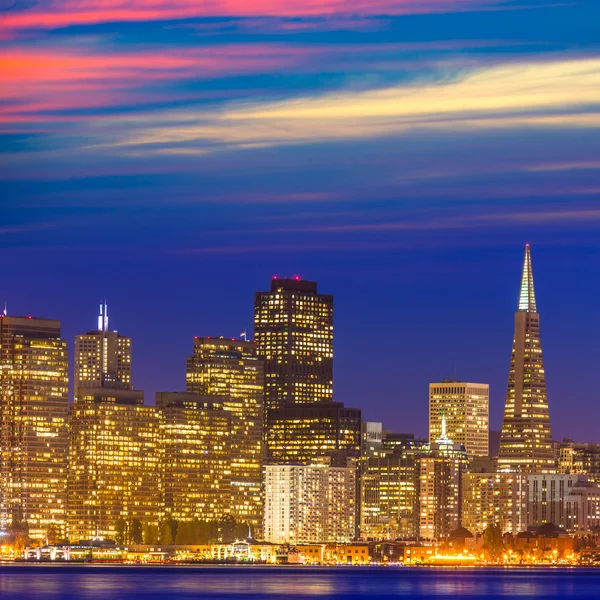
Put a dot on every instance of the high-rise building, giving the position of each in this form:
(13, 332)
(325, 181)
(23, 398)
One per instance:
(102, 357)
(293, 326)
(33, 424)
(301, 433)
(309, 503)
(526, 441)
(233, 370)
(494, 499)
(389, 498)
(195, 441)
(114, 464)
(440, 488)
(466, 408)
(581, 459)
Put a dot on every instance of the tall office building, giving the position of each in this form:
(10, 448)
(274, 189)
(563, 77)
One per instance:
(526, 441)
(232, 370)
(196, 449)
(33, 424)
(581, 459)
(310, 503)
(466, 408)
(301, 433)
(114, 463)
(293, 326)
(102, 357)
(440, 488)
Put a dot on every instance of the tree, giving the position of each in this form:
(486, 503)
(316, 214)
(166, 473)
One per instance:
(52, 533)
(493, 544)
(135, 532)
(227, 528)
(121, 531)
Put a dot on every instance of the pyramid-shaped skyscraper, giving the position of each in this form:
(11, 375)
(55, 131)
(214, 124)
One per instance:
(526, 442)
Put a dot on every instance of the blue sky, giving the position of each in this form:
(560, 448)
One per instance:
(173, 156)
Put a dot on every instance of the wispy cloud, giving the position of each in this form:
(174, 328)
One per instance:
(551, 94)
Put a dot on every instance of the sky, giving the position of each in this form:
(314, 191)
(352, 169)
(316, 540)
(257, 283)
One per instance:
(174, 155)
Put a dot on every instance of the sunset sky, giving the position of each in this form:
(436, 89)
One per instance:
(173, 155)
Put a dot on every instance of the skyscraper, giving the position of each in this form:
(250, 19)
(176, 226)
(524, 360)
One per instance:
(196, 450)
(102, 357)
(33, 424)
(293, 326)
(526, 441)
(466, 409)
(114, 462)
(232, 370)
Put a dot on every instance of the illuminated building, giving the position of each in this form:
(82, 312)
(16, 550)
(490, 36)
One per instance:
(390, 492)
(232, 370)
(309, 503)
(581, 459)
(466, 408)
(300, 433)
(33, 424)
(197, 455)
(102, 357)
(494, 499)
(546, 497)
(440, 483)
(526, 441)
(114, 463)
(293, 326)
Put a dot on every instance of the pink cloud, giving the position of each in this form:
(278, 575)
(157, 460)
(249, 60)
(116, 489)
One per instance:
(51, 14)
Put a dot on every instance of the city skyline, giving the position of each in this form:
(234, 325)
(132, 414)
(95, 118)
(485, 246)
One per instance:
(368, 414)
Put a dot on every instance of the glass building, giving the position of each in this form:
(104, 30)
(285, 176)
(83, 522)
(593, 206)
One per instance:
(293, 327)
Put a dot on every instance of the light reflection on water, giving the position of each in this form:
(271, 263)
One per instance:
(93, 582)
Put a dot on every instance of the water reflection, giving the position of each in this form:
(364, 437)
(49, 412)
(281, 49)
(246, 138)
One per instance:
(254, 583)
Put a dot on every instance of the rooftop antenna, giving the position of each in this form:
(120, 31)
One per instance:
(5, 312)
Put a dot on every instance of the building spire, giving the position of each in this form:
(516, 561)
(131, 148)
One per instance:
(527, 296)
(103, 317)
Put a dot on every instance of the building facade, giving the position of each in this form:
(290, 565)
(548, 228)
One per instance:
(114, 465)
(580, 459)
(33, 424)
(301, 433)
(309, 503)
(232, 370)
(102, 357)
(494, 499)
(195, 439)
(466, 409)
(526, 439)
(293, 327)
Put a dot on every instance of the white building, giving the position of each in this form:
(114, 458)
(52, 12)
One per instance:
(466, 409)
(309, 503)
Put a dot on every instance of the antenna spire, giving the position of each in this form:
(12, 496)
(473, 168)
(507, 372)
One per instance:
(103, 317)
(527, 296)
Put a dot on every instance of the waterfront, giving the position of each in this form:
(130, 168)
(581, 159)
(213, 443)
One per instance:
(91, 582)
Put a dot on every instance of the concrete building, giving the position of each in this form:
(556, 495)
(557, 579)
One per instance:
(293, 327)
(440, 488)
(102, 357)
(580, 459)
(195, 440)
(526, 440)
(114, 465)
(232, 370)
(494, 498)
(309, 503)
(33, 424)
(466, 409)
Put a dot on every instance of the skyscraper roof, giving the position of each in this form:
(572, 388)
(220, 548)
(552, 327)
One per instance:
(527, 296)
